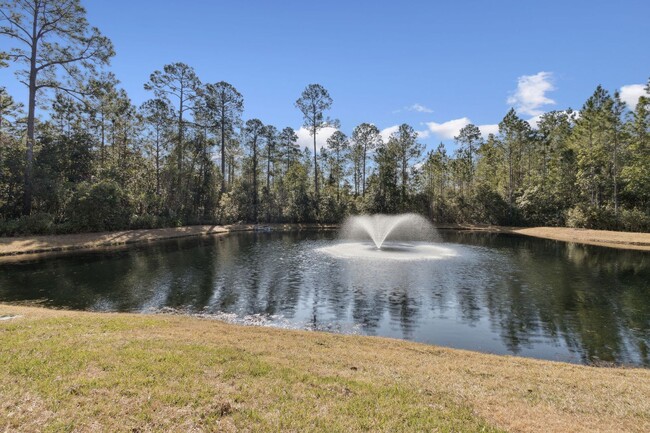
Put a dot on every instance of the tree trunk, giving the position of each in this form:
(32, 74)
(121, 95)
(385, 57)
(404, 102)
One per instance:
(179, 150)
(338, 177)
(363, 176)
(31, 115)
(268, 168)
(315, 168)
(157, 160)
(255, 197)
(404, 178)
(223, 143)
(102, 150)
(231, 170)
(615, 180)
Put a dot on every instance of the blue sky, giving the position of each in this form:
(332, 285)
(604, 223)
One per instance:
(434, 65)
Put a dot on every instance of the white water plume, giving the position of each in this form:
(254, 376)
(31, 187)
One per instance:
(379, 228)
(396, 237)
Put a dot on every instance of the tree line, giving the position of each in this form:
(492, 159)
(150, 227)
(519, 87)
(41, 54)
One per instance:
(188, 156)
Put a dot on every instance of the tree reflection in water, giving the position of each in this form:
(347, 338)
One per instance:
(501, 294)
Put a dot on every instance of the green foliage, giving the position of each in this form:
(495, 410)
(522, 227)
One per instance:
(99, 207)
(186, 157)
(365, 139)
(38, 223)
(540, 207)
(59, 51)
(63, 162)
(604, 218)
(99, 163)
(229, 209)
(11, 176)
(636, 174)
(591, 217)
(149, 221)
(634, 220)
(383, 194)
(313, 103)
(489, 207)
(300, 207)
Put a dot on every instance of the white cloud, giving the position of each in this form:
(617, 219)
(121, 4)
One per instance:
(451, 128)
(631, 93)
(387, 132)
(534, 121)
(422, 134)
(531, 91)
(448, 129)
(306, 140)
(418, 108)
(444, 131)
(489, 129)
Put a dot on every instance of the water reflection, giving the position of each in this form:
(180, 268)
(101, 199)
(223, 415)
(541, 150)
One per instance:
(499, 294)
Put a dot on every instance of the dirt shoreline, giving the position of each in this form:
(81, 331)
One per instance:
(37, 245)
(603, 238)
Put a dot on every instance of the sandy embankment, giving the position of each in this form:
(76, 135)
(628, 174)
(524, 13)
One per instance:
(10, 246)
(604, 238)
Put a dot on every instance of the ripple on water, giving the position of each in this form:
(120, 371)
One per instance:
(389, 251)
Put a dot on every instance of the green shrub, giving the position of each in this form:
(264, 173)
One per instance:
(329, 210)
(591, 217)
(35, 224)
(539, 206)
(8, 227)
(38, 223)
(634, 220)
(99, 207)
(229, 212)
(64, 228)
(488, 207)
(146, 221)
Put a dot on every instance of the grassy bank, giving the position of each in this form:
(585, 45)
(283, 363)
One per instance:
(74, 371)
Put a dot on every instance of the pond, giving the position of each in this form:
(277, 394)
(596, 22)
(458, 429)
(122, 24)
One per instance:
(495, 293)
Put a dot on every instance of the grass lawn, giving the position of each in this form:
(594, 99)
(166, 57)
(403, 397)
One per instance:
(73, 371)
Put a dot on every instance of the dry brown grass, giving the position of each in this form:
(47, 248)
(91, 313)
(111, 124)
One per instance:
(67, 371)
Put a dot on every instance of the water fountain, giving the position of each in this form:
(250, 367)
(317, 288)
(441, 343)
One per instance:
(379, 227)
(401, 237)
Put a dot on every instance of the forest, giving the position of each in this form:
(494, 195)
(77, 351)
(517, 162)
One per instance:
(91, 160)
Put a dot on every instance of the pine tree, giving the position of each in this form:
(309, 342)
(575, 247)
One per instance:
(469, 140)
(55, 41)
(366, 138)
(313, 103)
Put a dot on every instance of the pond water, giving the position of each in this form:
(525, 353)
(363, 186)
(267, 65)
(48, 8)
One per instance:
(493, 293)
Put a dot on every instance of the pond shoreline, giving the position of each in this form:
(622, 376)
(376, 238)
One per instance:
(95, 359)
(603, 238)
(47, 244)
